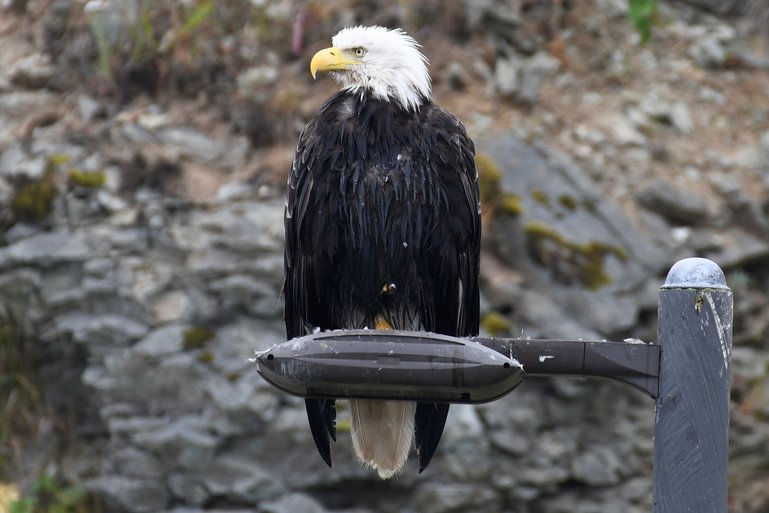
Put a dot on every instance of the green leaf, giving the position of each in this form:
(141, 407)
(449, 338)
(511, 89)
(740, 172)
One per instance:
(197, 16)
(23, 505)
(641, 14)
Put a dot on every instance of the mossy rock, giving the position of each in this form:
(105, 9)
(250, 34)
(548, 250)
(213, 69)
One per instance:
(34, 201)
(206, 356)
(570, 260)
(511, 204)
(568, 201)
(489, 176)
(495, 324)
(197, 336)
(492, 195)
(88, 179)
(540, 196)
(343, 425)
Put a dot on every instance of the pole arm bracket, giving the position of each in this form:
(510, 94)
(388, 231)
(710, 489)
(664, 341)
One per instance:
(415, 365)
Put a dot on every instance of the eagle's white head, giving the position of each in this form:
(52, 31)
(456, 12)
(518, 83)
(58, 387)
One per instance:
(385, 62)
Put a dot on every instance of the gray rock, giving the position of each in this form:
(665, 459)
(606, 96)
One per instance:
(89, 108)
(173, 306)
(720, 6)
(510, 442)
(111, 202)
(123, 420)
(243, 293)
(445, 498)
(46, 249)
(254, 82)
(193, 143)
(130, 494)
(242, 481)
(499, 14)
(210, 510)
(456, 75)
(539, 309)
(32, 72)
(749, 364)
(165, 340)
(188, 489)
(184, 443)
(560, 214)
(242, 338)
(534, 73)
(680, 117)
(708, 52)
(614, 8)
(111, 19)
(16, 162)
(174, 385)
(18, 104)
(293, 503)
(132, 462)
(599, 467)
(625, 134)
(241, 404)
(738, 248)
(675, 204)
(744, 210)
(234, 191)
(20, 296)
(521, 80)
(110, 330)
(464, 422)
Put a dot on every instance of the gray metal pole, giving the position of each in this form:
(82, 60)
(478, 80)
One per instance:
(691, 439)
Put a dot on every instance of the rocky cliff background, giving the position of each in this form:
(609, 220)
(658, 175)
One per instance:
(144, 146)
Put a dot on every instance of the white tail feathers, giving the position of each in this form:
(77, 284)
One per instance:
(382, 432)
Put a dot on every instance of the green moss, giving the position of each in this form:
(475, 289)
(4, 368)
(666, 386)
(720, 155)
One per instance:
(495, 324)
(489, 176)
(197, 336)
(233, 376)
(56, 160)
(567, 201)
(571, 260)
(87, 179)
(48, 493)
(343, 425)
(540, 197)
(511, 204)
(33, 202)
(206, 356)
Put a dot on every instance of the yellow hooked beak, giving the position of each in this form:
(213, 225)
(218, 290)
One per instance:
(331, 59)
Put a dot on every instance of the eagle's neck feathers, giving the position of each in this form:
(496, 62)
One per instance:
(393, 68)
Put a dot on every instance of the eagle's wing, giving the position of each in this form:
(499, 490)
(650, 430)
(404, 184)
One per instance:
(303, 312)
(451, 266)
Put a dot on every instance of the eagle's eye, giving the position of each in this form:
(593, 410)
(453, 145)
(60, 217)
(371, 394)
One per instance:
(359, 52)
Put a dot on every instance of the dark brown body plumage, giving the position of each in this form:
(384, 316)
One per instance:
(381, 196)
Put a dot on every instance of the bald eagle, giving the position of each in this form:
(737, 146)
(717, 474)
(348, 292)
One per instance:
(382, 228)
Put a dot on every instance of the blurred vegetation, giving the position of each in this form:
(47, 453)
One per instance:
(25, 419)
(49, 495)
(641, 14)
(156, 45)
(21, 402)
